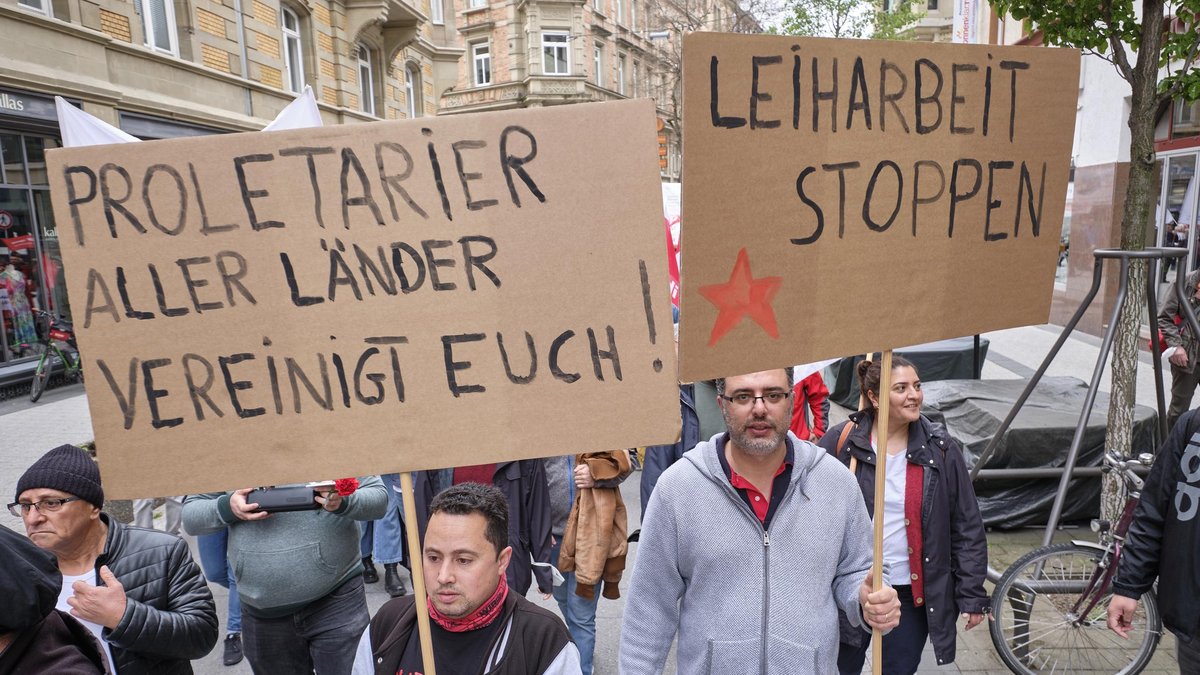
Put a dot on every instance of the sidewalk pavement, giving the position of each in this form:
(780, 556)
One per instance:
(26, 431)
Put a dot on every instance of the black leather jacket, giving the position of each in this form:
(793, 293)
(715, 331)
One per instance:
(1163, 539)
(170, 617)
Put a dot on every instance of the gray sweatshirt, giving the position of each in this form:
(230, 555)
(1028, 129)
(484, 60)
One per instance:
(291, 559)
(743, 600)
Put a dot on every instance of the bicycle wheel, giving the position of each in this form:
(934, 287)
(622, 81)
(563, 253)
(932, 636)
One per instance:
(41, 377)
(1035, 631)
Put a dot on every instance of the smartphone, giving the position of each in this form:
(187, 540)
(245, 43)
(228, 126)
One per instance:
(272, 500)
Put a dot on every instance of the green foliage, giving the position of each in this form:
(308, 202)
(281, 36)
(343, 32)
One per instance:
(896, 24)
(1098, 25)
(847, 19)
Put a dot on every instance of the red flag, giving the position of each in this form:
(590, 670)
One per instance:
(672, 264)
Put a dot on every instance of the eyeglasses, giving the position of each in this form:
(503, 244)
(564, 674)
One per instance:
(19, 509)
(746, 400)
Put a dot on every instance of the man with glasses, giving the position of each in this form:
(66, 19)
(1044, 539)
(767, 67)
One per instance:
(137, 590)
(749, 546)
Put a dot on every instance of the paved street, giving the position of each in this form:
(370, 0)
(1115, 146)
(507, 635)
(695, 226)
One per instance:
(27, 430)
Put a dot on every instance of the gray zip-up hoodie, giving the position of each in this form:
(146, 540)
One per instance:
(745, 600)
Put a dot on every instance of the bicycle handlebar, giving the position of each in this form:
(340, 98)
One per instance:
(1125, 467)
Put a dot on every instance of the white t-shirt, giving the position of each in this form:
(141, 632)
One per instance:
(66, 592)
(895, 536)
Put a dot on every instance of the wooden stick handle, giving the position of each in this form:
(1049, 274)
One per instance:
(416, 559)
(881, 451)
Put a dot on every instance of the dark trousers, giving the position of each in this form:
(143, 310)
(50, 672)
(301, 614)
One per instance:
(1183, 386)
(901, 648)
(1189, 656)
(322, 636)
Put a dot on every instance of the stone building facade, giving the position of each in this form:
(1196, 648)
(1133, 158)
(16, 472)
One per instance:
(169, 68)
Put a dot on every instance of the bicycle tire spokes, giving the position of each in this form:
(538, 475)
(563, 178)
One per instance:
(1050, 616)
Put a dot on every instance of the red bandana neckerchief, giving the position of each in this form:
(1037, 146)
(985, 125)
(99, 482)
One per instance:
(483, 616)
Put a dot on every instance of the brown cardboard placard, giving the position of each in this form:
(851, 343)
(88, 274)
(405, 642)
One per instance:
(921, 183)
(288, 306)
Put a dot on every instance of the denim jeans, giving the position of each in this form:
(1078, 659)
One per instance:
(579, 614)
(324, 635)
(902, 647)
(217, 569)
(384, 538)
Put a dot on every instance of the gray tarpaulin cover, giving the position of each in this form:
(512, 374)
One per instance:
(1040, 436)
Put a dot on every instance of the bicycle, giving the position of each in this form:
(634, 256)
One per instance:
(54, 333)
(1050, 607)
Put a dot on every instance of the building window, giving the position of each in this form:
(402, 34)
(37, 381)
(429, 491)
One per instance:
(637, 79)
(1186, 120)
(598, 5)
(412, 91)
(598, 58)
(293, 61)
(476, 4)
(481, 57)
(621, 74)
(41, 6)
(555, 48)
(718, 19)
(619, 10)
(633, 14)
(158, 20)
(932, 4)
(366, 81)
(436, 13)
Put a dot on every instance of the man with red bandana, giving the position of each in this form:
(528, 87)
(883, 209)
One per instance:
(477, 625)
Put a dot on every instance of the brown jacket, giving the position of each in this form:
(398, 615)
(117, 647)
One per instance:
(594, 543)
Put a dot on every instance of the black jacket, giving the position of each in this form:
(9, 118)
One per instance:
(524, 483)
(953, 538)
(531, 644)
(1165, 534)
(170, 617)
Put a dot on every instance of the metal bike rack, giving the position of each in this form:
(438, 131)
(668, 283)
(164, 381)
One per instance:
(1069, 470)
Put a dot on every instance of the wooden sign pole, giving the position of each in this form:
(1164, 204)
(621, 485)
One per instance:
(881, 447)
(416, 559)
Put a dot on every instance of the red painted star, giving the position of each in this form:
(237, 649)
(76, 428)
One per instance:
(742, 296)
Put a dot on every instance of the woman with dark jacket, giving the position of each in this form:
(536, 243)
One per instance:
(934, 544)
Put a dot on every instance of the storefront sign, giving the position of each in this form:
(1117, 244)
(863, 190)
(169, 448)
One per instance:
(273, 307)
(844, 196)
(27, 105)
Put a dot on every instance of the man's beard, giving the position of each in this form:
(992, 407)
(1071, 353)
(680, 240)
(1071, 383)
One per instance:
(755, 446)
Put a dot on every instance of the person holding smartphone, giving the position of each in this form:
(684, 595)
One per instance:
(298, 572)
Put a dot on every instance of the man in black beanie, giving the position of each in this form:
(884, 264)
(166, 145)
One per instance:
(34, 636)
(137, 590)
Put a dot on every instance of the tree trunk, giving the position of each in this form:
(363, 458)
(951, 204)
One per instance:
(1136, 214)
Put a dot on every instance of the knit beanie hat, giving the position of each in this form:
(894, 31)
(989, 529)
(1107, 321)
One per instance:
(65, 468)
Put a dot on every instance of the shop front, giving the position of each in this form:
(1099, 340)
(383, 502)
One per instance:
(1178, 160)
(31, 268)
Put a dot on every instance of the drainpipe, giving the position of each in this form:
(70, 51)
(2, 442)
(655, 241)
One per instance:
(241, 39)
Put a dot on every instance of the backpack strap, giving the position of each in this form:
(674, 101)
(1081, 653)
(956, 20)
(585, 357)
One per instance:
(842, 443)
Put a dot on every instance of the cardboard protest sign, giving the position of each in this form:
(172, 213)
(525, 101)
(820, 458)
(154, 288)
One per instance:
(844, 196)
(297, 305)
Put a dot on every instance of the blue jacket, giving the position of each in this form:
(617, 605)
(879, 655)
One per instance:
(659, 457)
